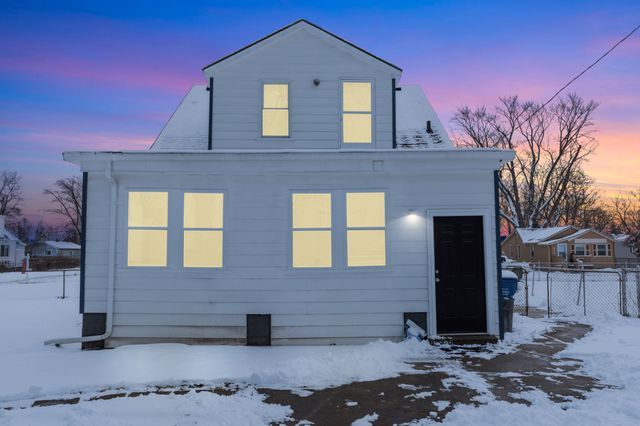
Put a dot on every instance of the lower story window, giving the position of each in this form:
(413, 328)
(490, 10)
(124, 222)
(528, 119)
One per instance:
(203, 227)
(311, 233)
(562, 250)
(602, 250)
(147, 229)
(4, 250)
(580, 250)
(366, 245)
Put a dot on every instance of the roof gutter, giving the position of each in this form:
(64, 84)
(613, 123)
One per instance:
(111, 272)
(393, 112)
(210, 135)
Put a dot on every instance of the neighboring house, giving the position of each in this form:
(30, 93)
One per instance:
(56, 248)
(560, 246)
(306, 198)
(624, 255)
(12, 250)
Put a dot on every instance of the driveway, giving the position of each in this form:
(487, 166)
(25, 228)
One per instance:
(434, 393)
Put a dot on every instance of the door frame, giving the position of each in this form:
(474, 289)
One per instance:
(490, 273)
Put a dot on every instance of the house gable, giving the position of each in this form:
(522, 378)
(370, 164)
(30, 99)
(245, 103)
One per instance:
(301, 24)
(314, 66)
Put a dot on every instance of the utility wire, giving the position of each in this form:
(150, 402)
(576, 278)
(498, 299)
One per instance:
(581, 73)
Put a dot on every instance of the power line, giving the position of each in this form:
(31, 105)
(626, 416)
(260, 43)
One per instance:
(582, 72)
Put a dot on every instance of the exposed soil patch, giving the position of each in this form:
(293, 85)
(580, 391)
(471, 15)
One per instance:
(415, 396)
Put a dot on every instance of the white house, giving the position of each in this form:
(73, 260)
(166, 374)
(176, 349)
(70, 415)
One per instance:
(56, 248)
(303, 196)
(625, 256)
(12, 250)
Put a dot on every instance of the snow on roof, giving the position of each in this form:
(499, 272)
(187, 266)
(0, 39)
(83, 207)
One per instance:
(62, 245)
(574, 236)
(536, 235)
(413, 111)
(187, 129)
(620, 237)
(8, 235)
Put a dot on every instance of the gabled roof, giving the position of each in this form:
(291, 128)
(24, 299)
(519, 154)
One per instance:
(575, 235)
(302, 22)
(62, 245)
(187, 127)
(413, 111)
(536, 235)
(8, 235)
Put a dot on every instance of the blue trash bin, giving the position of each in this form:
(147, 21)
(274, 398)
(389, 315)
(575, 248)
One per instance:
(509, 288)
(509, 284)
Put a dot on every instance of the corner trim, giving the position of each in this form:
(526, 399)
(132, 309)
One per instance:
(496, 194)
(210, 134)
(83, 237)
(393, 112)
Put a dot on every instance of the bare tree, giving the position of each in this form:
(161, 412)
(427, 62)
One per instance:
(551, 145)
(66, 196)
(10, 193)
(21, 228)
(626, 212)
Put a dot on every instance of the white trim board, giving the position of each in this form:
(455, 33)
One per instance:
(491, 292)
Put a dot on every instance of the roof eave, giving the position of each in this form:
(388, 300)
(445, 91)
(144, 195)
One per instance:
(299, 21)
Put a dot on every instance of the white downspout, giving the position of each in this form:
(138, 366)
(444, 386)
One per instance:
(111, 272)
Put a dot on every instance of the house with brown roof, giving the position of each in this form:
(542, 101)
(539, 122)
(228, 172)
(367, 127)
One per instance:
(561, 246)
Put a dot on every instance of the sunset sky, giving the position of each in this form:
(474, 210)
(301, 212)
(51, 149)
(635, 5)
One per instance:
(76, 76)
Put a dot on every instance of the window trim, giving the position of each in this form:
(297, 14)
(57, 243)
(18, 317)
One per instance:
(183, 229)
(341, 112)
(262, 108)
(575, 249)
(368, 228)
(566, 250)
(291, 230)
(3, 248)
(606, 250)
(127, 228)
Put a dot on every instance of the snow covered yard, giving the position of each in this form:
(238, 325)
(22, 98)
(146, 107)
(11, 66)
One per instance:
(443, 383)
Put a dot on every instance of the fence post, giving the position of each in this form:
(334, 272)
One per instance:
(548, 295)
(584, 293)
(622, 277)
(638, 289)
(526, 293)
(64, 282)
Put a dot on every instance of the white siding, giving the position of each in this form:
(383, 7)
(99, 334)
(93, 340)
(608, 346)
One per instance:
(97, 243)
(338, 305)
(315, 111)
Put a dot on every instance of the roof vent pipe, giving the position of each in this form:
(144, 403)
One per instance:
(429, 128)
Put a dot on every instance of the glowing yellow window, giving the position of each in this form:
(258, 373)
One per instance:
(366, 242)
(311, 235)
(275, 110)
(356, 112)
(203, 226)
(147, 229)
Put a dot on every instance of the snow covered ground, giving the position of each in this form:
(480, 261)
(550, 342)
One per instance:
(31, 313)
(601, 290)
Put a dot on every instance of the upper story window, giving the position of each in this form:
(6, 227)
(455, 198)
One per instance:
(356, 112)
(275, 110)
(147, 229)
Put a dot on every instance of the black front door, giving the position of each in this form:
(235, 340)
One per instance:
(459, 275)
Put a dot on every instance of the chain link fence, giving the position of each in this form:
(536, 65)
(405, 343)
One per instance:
(568, 292)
